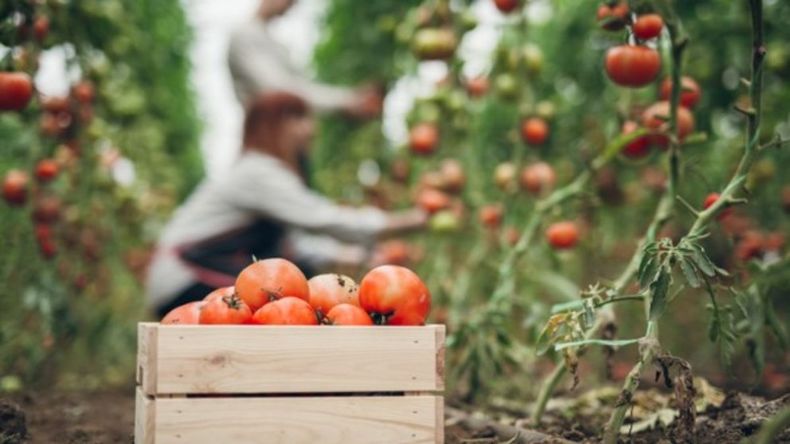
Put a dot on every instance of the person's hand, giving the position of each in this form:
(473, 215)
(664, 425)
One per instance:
(367, 103)
(406, 220)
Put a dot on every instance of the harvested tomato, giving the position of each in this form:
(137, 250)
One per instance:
(633, 66)
(562, 235)
(220, 293)
(394, 295)
(648, 26)
(269, 279)
(186, 314)
(690, 91)
(477, 86)
(491, 215)
(424, 138)
(15, 187)
(46, 209)
(328, 290)
(225, 310)
(432, 200)
(613, 17)
(84, 92)
(506, 6)
(538, 178)
(655, 118)
(453, 176)
(710, 199)
(46, 170)
(286, 311)
(347, 314)
(16, 90)
(534, 131)
(638, 147)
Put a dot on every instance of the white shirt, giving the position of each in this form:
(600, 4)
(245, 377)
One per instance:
(258, 63)
(259, 187)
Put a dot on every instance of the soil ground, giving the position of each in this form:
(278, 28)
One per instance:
(108, 417)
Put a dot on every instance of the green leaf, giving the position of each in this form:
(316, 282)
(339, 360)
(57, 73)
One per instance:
(702, 261)
(776, 326)
(567, 306)
(647, 270)
(607, 342)
(658, 294)
(690, 273)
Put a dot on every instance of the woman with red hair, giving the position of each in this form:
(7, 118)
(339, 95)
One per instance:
(262, 208)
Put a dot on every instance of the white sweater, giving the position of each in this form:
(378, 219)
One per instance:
(258, 64)
(259, 187)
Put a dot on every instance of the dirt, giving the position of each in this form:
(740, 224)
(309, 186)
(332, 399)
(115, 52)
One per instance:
(68, 417)
(108, 417)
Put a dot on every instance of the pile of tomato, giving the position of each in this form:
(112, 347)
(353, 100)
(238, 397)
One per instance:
(276, 292)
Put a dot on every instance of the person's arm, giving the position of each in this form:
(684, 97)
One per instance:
(256, 66)
(266, 187)
(321, 251)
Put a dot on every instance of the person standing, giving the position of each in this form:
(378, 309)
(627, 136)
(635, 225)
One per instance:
(259, 63)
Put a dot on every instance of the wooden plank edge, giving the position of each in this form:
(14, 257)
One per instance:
(147, 356)
(440, 350)
(144, 418)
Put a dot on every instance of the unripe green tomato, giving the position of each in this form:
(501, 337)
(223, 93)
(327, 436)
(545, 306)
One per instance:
(468, 20)
(776, 57)
(434, 43)
(506, 86)
(455, 100)
(763, 171)
(444, 222)
(533, 58)
(546, 109)
(428, 112)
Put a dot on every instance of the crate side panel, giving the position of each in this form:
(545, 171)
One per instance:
(259, 359)
(144, 414)
(295, 420)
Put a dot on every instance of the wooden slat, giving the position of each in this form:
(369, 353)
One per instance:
(263, 359)
(147, 356)
(296, 420)
(144, 418)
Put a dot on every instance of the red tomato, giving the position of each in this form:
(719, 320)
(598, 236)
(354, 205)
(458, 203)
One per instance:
(491, 215)
(750, 246)
(46, 209)
(46, 170)
(613, 18)
(328, 290)
(226, 310)
(652, 119)
(690, 91)
(347, 314)
(270, 279)
(392, 252)
(648, 26)
(534, 131)
(55, 104)
(424, 138)
(83, 92)
(633, 66)
(41, 28)
(538, 178)
(637, 148)
(477, 86)
(562, 235)
(453, 176)
(15, 187)
(286, 311)
(512, 236)
(710, 199)
(47, 248)
(394, 295)
(16, 90)
(506, 6)
(432, 200)
(219, 293)
(186, 314)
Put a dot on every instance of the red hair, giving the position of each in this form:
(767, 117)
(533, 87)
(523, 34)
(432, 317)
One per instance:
(267, 112)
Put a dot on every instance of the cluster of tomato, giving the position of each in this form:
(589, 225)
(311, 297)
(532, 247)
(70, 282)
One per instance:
(275, 292)
(638, 65)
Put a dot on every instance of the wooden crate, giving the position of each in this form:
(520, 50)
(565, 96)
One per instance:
(266, 384)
